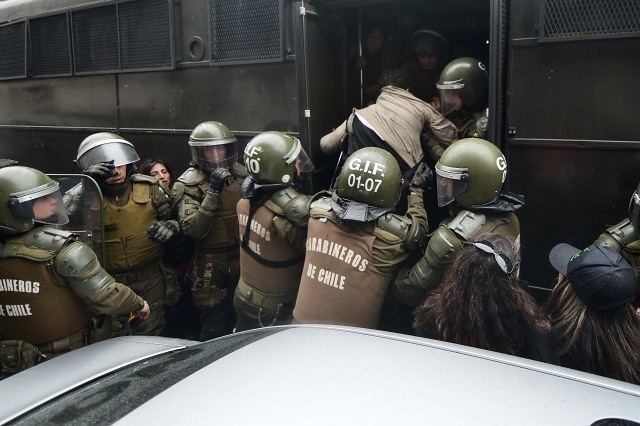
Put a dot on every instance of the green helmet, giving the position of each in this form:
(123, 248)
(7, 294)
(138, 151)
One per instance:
(26, 196)
(464, 79)
(275, 158)
(470, 171)
(104, 147)
(213, 145)
(370, 176)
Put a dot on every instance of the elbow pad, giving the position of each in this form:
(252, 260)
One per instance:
(618, 236)
(78, 264)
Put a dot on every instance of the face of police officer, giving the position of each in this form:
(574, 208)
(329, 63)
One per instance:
(120, 177)
(44, 207)
(429, 61)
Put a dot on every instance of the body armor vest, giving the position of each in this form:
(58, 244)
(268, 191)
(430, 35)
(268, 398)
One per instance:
(340, 283)
(279, 265)
(127, 245)
(224, 225)
(37, 306)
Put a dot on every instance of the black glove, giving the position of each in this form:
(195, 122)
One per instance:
(422, 179)
(101, 171)
(163, 231)
(217, 178)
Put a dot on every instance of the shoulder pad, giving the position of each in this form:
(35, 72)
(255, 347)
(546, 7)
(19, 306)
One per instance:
(320, 203)
(193, 176)
(397, 225)
(295, 206)
(39, 244)
(79, 264)
(140, 178)
(466, 224)
(239, 171)
(443, 247)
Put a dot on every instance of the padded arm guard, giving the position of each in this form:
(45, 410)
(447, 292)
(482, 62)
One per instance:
(295, 205)
(79, 265)
(412, 233)
(617, 236)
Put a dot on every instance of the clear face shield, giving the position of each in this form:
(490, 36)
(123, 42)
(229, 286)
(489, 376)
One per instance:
(450, 184)
(449, 101)
(215, 154)
(118, 150)
(43, 204)
(299, 157)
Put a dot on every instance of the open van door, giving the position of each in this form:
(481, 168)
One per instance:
(321, 69)
(573, 102)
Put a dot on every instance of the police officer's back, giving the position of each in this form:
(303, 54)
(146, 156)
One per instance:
(272, 216)
(355, 242)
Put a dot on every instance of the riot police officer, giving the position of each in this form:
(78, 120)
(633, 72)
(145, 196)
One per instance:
(463, 87)
(273, 222)
(470, 172)
(355, 242)
(624, 237)
(51, 283)
(206, 196)
(136, 207)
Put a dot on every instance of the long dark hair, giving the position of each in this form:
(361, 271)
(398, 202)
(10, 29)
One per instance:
(147, 164)
(603, 342)
(478, 304)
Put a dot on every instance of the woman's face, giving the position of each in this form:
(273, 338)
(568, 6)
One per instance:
(160, 172)
(44, 207)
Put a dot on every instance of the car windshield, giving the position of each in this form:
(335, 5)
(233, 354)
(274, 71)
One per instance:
(111, 397)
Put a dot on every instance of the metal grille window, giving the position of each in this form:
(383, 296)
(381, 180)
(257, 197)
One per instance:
(13, 50)
(95, 40)
(589, 19)
(127, 36)
(145, 35)
(246, 31)
(50, 46)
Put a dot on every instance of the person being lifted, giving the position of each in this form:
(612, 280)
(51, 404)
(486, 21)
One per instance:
(51, 283)
(273, 225)
(206, 196)
(394, 123)
(355, 241)
(470, 173)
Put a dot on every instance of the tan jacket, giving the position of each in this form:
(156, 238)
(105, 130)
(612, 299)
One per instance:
(398, 118)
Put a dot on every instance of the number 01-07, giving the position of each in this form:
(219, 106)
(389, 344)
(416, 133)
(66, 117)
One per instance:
(369, 184)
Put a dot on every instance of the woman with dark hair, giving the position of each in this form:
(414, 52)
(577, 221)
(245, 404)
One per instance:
(159, 169)
(181, 314)
(592, 320)
(481, 303)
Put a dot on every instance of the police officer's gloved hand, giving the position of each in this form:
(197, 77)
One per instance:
(217, 178)
(101, 171)
(163, 231)
(422, 179)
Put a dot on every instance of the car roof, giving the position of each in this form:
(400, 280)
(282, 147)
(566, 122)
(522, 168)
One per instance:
(342, 375)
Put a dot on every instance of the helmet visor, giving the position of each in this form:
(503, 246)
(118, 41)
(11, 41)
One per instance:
(118, 150)
(449, 101)
(299, 157)
(44, 205)
(210, 157)
(449, 185)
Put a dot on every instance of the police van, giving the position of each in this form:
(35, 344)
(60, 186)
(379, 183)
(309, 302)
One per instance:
(564, 90)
